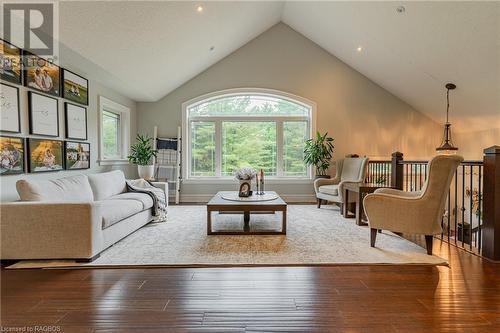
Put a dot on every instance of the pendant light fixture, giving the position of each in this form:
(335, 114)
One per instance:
(447, 144)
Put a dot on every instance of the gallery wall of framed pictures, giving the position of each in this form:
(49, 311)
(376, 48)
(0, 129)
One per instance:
(45, 84)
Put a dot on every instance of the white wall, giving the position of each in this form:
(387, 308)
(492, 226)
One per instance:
(7, 183)
(471, 145)
(361, 116)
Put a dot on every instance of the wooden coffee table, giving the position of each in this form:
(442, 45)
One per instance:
(245, 206)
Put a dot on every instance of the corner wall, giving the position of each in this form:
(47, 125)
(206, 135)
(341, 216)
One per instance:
(361, 116)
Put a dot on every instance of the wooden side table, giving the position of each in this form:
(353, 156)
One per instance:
(362, 189)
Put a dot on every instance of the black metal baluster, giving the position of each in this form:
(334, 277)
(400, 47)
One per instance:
(479, 211)
(463, 204)
(449, 213)
(406, 177)
(456, 206)
(389, 171)
(415, 178)
(419, 176)
(471, 170)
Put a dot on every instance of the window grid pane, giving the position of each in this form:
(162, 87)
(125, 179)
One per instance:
(233, 131)
(295, 134)
(111, 134)
(202, 149)
(249, 105)
(250, 144)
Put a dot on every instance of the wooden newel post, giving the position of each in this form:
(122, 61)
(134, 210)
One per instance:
(491, 203)
(397, 170)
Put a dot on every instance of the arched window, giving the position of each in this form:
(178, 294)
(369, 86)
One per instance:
(263, 129)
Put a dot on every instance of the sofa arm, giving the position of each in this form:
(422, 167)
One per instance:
(164, 187)
(341, 189)
(50, 230)
(324, 181)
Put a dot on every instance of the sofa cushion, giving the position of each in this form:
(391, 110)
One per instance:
(73, 188)
(144, 199)
(107, 184)
(329, 189)
(114, 211)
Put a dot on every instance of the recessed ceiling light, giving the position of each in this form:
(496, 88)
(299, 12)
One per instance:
(199, 9)
(400, 9)
(359, 49)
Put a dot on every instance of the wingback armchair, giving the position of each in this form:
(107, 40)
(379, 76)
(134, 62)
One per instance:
(349, 169)
(417, 212)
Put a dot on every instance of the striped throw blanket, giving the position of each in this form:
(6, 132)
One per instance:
(158, 195)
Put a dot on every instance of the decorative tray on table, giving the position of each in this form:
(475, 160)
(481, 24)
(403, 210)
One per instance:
(233, 196)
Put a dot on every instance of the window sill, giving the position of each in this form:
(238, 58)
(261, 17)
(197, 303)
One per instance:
(269, 180)
(113, 162)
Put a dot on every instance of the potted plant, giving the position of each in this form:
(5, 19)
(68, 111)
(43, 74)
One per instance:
(142, 153)
(319, 152)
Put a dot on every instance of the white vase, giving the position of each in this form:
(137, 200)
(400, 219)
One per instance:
(146, 171)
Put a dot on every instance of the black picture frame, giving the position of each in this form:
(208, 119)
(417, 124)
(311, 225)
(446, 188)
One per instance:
(66, 122)
(31, 116)
(18, 110)
(22, 159)
(15, 79)
(27, 68)
(66, 94)
(244, 191)
(30, 146)
(66, 164)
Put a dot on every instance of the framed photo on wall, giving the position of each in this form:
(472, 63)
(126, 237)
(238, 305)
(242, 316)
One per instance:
(76, 121)
(11, 155)
(9, 109)
(11, 64)
(77, 155)
(43, 114)
(75, 88)
(45, 155)
(41, 74)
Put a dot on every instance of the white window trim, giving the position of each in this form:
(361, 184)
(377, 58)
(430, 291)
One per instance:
(186, 133)
(106, 104)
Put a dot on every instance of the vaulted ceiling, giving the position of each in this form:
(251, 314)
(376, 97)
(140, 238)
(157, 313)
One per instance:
(147, 49)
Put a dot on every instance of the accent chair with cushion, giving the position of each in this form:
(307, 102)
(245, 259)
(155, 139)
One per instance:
(75, 217)
(349, 169)
(417, 212)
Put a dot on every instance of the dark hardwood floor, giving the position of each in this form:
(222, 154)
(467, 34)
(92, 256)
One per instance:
(464, 297)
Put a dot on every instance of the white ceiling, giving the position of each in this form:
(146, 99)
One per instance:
(414, 54)
(147, 49)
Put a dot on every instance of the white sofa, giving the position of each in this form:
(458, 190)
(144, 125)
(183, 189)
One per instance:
(74, 217)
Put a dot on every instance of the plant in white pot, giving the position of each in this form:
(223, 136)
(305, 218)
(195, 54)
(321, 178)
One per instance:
(141, 154)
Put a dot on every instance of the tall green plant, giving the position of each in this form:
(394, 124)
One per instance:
(142, 151)
(319, 152)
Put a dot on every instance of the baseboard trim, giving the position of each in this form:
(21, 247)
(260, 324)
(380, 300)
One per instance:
(289, 198)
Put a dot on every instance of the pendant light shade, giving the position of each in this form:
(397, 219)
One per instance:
(447, 143)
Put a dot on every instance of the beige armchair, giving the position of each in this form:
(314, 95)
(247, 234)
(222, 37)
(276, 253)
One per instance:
(349, 169)
(418, 212)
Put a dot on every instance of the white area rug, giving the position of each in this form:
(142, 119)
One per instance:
(314, 237)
